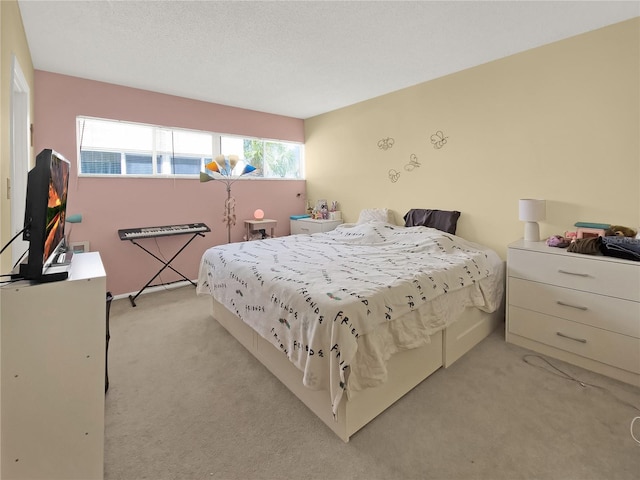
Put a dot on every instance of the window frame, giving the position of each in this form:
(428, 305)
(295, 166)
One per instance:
(158, 154)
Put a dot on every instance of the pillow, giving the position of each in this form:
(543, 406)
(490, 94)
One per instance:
(443, 220)
(374, 215)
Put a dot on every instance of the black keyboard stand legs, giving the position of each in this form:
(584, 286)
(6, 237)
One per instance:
(165, 264)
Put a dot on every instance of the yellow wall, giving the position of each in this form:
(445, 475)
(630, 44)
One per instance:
(1, 236)
(559, 122)
(14, 42)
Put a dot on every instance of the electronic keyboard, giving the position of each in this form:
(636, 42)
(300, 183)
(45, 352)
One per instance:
(162, 231)
(133, 234)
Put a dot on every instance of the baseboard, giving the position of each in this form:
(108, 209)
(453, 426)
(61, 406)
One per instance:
(157, 288)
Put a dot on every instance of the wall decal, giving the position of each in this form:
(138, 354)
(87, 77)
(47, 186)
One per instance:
(413, 163)
(438, 139)
(386, 143)
(394, 175)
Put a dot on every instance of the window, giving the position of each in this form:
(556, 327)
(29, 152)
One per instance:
(114, 148)
(138, 164)
(272, 159)
(100, 162)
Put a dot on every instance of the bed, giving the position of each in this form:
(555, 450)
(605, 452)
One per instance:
(351, 320)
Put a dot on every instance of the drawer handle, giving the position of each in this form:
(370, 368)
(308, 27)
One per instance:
(573, 273)
(581, 340)
(579, 307)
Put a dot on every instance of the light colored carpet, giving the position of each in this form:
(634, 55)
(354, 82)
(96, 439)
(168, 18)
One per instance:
(186, 401)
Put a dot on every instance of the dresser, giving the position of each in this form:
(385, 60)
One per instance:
(308, 225)
(582, 309)
(53, 375)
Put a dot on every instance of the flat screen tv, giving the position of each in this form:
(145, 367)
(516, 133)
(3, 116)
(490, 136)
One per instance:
(44, 219)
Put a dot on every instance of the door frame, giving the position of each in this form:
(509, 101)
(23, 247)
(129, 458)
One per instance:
(19, 152)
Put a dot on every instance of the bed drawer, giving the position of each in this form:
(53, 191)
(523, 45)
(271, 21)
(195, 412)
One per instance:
(583, 272)
(608, 313)
(620, 351)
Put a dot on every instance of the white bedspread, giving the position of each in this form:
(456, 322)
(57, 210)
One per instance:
(330, 300)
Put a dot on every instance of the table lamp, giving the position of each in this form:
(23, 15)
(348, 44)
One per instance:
(76, 218)
(531, 211)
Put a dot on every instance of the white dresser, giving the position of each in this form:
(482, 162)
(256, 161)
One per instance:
(583, 309)
(53, 375)
(308, 225)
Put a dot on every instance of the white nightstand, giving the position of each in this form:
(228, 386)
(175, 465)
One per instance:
(252, 226)
(308, 225)
(582, 309)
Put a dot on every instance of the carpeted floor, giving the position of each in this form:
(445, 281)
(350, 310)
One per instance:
(186, 401)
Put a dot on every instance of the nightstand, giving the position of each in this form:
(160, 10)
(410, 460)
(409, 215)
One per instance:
(309, 225)
(252, 226)
(582, 309)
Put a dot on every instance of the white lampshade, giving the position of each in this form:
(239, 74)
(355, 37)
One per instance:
(531, 211)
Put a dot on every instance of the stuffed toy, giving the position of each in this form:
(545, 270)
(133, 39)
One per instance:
(620, 231)
(558, 241)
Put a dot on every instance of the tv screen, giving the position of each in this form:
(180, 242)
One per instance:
(45, 213)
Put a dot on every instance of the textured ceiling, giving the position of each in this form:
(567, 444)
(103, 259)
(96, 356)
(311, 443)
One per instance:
(298, 59)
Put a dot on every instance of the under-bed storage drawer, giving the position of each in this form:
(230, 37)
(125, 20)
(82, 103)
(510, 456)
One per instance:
(614, 349)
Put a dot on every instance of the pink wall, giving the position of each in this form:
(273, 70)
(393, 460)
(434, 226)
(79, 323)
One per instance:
(109, 204)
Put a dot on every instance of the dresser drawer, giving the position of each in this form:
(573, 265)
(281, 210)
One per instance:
(615, 279)
(298, 227)
(608, 313)
(613, 349)
(309, 226)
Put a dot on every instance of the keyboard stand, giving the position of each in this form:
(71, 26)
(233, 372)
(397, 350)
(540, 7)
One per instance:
(165, 264)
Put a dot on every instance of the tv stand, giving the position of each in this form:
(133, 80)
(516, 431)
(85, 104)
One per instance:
(53, 375)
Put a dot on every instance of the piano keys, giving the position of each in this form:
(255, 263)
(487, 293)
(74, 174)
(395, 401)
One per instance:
(162, 231)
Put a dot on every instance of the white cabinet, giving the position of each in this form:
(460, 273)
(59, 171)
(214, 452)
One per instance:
(308, 225)
(53, 375)
(583, 309)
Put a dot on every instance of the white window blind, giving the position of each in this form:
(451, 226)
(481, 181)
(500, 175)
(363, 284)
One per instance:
(117, 148)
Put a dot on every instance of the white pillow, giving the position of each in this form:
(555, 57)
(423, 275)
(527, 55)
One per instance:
(375, 215)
